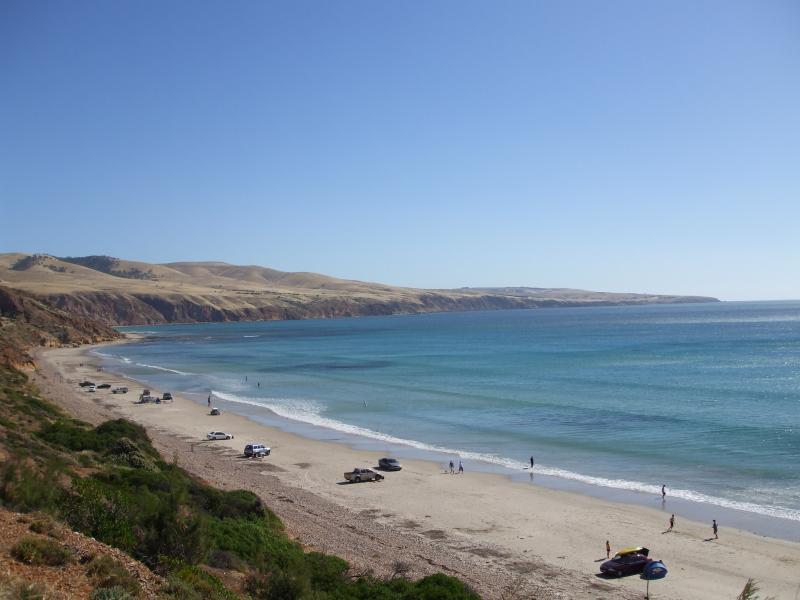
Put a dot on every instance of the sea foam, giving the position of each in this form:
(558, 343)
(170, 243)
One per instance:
(309, 412)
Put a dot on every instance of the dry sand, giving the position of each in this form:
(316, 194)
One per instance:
(506, 539)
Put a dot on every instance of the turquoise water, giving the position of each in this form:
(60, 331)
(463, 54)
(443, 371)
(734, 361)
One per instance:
(705, 398)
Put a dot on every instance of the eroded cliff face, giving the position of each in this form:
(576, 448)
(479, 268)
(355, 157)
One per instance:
(27, 321)
(114, 309)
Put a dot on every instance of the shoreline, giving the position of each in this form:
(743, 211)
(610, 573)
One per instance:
(689, 504)
(556, 532)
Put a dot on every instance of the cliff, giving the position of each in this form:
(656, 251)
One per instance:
(120, 292)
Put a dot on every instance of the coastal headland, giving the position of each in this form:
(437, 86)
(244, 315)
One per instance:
(506, 539)
(123, 292)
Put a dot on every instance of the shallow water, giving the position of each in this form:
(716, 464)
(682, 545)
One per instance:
(704, 398)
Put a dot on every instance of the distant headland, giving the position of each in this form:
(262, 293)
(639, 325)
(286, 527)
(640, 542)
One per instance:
(123, 292)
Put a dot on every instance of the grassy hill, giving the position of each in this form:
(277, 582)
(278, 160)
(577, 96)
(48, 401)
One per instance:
(122, 292)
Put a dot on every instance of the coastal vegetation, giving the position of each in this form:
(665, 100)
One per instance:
(109, 483)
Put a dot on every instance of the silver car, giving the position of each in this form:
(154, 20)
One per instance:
(219, 435)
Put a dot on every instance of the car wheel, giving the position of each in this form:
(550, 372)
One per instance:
(619, 574)
(357, 479)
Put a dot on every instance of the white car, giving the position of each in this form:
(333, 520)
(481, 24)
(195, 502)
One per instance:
(219, 435)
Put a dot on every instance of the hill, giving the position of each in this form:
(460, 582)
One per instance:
(122, 292)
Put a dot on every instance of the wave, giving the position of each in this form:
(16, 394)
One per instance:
(309, 412)
(162, 369)
(250, 336)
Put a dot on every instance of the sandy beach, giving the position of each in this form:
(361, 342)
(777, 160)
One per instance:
(506, 539)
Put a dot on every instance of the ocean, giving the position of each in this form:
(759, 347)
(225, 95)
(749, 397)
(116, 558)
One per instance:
(613, 401)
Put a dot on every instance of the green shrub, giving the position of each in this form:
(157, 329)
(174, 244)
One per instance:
(222, 559)
(326, 573)
(26, 489)
(442, 587)
(108, 573)
(18, 589)
(112, 593)
(46, 526)
(40, 551)
(190, 583)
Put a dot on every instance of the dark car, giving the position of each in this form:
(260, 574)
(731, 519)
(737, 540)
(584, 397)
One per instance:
(167, 397)
(626, 562)
(86, 383)
(389, 464)
(103, 386)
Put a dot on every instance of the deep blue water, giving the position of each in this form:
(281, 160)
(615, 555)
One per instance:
(703, 397)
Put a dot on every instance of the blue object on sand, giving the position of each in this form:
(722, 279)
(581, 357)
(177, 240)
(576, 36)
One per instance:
(654, 570)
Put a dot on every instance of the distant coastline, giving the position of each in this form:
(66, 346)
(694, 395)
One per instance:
(122, 292)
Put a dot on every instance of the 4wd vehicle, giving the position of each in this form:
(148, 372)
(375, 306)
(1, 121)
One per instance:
(389, 464)
(360, 474)
(219, 435)
(103, 386)
(120, 390)
(166, 397)
(86, 383)
(256, 450)
(626, 562)
(215, 411)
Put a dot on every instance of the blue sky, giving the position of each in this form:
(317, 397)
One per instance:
(625, 146)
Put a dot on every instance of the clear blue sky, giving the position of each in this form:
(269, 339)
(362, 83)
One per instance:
(625, 145)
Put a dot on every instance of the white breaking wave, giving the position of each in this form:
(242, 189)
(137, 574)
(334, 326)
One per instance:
(162, 369)
(309, 412)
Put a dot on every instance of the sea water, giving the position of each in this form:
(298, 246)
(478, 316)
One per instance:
(702, 397)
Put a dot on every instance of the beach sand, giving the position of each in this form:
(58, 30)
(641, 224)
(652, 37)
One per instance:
(506, 539)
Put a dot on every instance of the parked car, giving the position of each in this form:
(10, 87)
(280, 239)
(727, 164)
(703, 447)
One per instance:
(389, 464)
(215, 412)
(360, 474)
(166, 397)
(256, 450)
(219, 435)
(86, 383)
(145, 399)
(90, 388)
(103, 386)
(626, 562)
(119, 390)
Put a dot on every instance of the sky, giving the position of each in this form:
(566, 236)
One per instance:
(615, 146)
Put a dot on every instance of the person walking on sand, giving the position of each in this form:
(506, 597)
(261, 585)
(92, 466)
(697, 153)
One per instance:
(608, 549)
(671, 523)
(714, 527)
(452, 467)
(460, 468)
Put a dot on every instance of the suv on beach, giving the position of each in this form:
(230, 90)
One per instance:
(389, 464)
(256, 450)
(167, 397)
(120, 390)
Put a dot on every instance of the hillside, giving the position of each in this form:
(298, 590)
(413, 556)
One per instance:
(122, 292)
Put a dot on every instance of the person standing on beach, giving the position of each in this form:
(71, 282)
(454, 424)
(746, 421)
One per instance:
(608, 549)
(671, 523)
(452, 467)
(531, 462)
(663, 491)
(460, 468)
(209, 401)
(714, 527)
